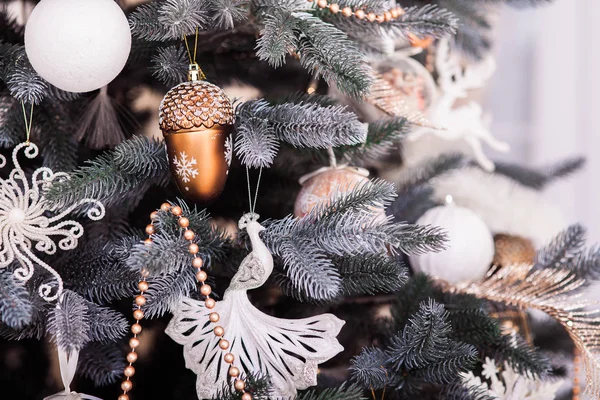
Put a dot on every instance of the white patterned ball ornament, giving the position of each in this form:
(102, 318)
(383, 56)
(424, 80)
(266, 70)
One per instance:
(469, 251)
(77, 45)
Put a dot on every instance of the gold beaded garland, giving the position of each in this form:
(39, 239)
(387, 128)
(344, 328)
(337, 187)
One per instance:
(389, 15)
(209, 302)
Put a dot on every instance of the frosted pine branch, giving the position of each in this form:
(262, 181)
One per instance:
(15, 304)
(256, 145)
(306, 124)
(226, 13)
(103, 363)
(170, 65)
(370, 274)
(115, 174)
(369, 368)
(68, 324)
(106, 325)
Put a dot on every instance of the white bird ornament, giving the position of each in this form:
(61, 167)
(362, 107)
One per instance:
(288, 351)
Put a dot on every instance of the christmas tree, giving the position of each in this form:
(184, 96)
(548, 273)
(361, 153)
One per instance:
(283, 236)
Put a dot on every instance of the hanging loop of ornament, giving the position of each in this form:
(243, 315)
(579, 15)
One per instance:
(239, 382)
(28, 221)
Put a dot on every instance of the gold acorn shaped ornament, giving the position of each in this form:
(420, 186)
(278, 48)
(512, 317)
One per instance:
(196, 118)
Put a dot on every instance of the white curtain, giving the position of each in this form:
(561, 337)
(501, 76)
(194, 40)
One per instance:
(544, 98)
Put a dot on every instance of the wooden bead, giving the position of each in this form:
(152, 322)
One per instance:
(210, 303)
(189, 234)
(321, 3)
(360, 14)
(223, 344)
(140, 300)
(129, 371)
(193, 248)
(125, 397)
(246, 396)
(148, 241)
(371, 16)
(136, 329)
(177, 211)
(165, 206)
(134, 342)
(143, 286)
(213, 317)
(153, 215)
(234, 371)
(239, 385)
(346, 11)
(201, 276)
(334, 8)
(126, 385)
(380, 18)
(138, 314)
(229, 358)
(387, 16)
(205, 290)
(184, 222)
(150, 229)
(198, 262)
(132, 357)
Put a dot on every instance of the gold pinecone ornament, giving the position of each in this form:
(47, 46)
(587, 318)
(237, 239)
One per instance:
(196, 118)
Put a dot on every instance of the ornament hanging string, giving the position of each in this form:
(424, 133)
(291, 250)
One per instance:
(252, 205)
(193, 59)
(28, 121)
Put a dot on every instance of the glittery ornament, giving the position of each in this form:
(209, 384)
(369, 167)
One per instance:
(28, 222)
(319, 186)
(196, 118)
(286, 350)
(513, 250)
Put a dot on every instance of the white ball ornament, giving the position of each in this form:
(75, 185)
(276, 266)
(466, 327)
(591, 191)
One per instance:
(78, 45)
(469, 251)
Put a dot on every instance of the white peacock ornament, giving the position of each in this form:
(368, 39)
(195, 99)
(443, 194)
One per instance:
(28, 222)
(286, 350)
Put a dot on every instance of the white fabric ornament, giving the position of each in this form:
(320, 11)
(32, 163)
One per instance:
(465, 122)
(506, 384)
(287, 350)
(27, 221)
(76, 45)
(470, 248)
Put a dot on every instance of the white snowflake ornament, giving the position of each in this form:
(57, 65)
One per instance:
(287, 350)
(185, 167)
(28, 222)
(464, 122)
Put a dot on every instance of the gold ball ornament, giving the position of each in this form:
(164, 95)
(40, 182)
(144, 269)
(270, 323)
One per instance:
(196, 118)
(513, 250)
(319, 186)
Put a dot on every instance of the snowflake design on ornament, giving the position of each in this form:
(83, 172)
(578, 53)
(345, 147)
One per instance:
(506, 383)
(228, 150)
(28, 221)
(185, 166)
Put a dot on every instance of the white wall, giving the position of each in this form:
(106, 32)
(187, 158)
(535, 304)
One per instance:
(544, 97)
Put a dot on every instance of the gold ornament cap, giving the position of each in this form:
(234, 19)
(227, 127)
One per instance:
(194, 104)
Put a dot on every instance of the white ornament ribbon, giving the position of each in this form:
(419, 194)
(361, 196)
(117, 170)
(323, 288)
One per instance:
(68, 365)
